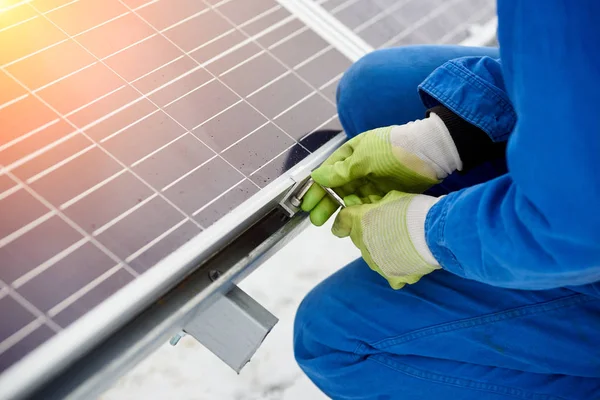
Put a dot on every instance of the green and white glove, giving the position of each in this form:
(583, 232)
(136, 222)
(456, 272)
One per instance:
(390, 233)
(410, 158)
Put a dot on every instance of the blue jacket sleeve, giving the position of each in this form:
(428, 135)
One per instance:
(538, 226)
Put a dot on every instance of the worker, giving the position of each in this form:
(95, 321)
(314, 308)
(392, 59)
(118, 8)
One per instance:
(478, 222)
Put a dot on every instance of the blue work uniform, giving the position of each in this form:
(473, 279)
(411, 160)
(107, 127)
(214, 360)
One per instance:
(515, 311)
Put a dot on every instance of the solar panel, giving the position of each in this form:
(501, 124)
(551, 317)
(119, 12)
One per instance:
(388, 23)
(130, 126)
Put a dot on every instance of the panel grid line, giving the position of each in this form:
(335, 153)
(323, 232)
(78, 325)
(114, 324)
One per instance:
(245, 136)
(332, 80)
(91, 190)
(121, 50)
(219, 4)
(161, 148)
(21, 333)
(261, 15)
(54, 311)
(123, 129)
(176, 24)
(23, 279)
(294, 105)
(25, 228)
(465, 25)
(17, 163)
(33, 53)
(8, 192)
(326, 122)
(158, 69)
(343, 6)
(217, 114)
(312, 57)
(26, 304)
(246, 61)
(266, 85)
(59, 164)
(190, 92)
(267, 163)
(157, 239)
(150, 2)
(182, 177)
(3, 292)
(211, 41)
(421, 22)
(384, 13)
(13, 101)
(99, 25)
(120, 217)
(17, 23)
(59, 7)
(205, 206)
(288, 37)
(95, 101)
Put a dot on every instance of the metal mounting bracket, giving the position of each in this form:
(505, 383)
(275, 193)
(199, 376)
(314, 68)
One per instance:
(232, 328)
(293, 198)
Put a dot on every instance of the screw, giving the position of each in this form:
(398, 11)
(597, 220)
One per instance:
(214, 274)
(296, 202)
(176, 338)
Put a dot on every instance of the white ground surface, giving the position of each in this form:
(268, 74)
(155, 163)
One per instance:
(190, 372)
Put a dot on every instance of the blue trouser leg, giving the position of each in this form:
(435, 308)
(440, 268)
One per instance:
(444, 337)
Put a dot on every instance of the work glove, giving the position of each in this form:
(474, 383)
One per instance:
(410, 158)
(390, 233)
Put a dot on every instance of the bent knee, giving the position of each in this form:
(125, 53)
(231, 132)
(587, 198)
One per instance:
(355, 90)
(317, 329)
(369, 81)
(324, 321)
(319, 342)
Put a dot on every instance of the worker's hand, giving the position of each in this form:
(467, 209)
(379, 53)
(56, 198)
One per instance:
(411, 158)
(390, 233)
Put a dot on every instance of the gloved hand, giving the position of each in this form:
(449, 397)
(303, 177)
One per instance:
(390, 233)
(411, 158)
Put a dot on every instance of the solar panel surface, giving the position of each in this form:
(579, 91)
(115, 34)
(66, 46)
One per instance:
(129, 126)
(388, 23)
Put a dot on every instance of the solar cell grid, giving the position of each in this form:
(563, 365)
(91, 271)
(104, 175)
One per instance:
(130, 126)
(387, 23)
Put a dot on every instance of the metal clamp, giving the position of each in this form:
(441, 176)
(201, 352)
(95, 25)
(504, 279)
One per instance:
(293, 198)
